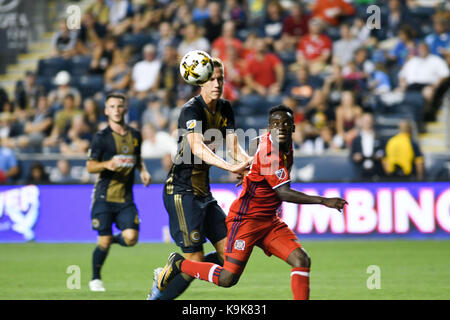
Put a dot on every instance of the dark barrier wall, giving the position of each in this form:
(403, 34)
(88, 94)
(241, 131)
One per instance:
(60, 213)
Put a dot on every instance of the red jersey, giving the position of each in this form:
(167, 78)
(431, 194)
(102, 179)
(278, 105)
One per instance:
(269, 170)
(312, 48)
(263, 71)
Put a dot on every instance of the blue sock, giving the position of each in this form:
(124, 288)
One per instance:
(98, 258)
(182, 281)
(118, 238)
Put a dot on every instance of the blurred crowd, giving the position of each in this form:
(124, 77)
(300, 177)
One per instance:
(338, 66)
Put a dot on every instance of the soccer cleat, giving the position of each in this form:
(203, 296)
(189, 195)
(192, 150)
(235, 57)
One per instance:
(96, 285)
(170, 270)
(155, 293)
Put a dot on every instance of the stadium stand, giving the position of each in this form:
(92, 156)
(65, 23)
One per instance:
(279, 35)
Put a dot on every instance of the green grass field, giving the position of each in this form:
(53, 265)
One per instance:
(409, 270)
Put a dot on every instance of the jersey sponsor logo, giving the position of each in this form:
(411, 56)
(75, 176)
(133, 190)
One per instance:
(125, 161)
(239, 244)
(281, 174)
(191, 124)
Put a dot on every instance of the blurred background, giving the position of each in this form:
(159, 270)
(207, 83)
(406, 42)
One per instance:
(367, 80)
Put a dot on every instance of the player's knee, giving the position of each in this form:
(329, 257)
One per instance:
(131, 241)
(104, 242)
(300, 259)
(228, 279)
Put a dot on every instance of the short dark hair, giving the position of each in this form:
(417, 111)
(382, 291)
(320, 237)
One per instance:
(115, 95)
(282, 108)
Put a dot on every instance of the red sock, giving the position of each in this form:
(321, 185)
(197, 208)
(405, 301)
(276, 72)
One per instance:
(202, 270)
(300, 283)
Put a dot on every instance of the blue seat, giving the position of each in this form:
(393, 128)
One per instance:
(88, 85)
(50, 67)
(79, 65)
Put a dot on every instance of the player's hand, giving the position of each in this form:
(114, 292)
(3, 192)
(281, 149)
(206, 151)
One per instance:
(336, 203)
(241, 167)
(145, 178)
(241, 177)
(112, 164)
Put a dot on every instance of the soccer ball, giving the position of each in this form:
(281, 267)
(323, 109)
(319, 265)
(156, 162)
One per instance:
(196, 67)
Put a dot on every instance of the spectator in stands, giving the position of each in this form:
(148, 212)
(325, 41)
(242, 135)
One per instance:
(148, 15)
(439, 40)
(9, 167)
(90, 34)
(120, 16)
(118, 74)
(334, 85)
(264, 73)
(404, 48)
(27, 91)
(213, 25)
(379, 81)
(168, 77)
(192, 40)
(304, 87)
(165, 38)
(347, 116)
(62, 173)
(103, 55)
(160, 175)
(295, 25)
(145, 73)
(403, 156)
(234, 76)
(200, 12)
(156, 143)
(92, 116)
(156, 114)
(64, 41)
(345, 47)
(235, 11)
(359, 69)
(100, 10)
(182, 18)
(360, 31)
(331, 11)
(424, 73)
(396, 14)
(37, 128)
(367, 150)
(226, 40)
(57, 96)
(62, 122)
(37, 174)
(320, 144)
(77, 139)
(314, 49)
(272, 27)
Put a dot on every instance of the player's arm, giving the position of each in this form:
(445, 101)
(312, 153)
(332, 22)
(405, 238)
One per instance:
(234, 148)
(201, 150)
(285, 193)
(144, 174)
(94, 166)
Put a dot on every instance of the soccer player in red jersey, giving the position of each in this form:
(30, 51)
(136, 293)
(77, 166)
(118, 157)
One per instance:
(252, 219)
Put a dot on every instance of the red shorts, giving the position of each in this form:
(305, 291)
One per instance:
(270, 234)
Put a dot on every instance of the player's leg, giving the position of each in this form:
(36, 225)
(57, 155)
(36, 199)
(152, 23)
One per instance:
(282, 242)
(216, 231)
(101, 218)
(127, 220)
(186, 224)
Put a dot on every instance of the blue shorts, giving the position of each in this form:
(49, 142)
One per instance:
(192, 219)
(104, 214)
